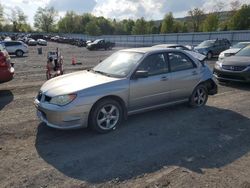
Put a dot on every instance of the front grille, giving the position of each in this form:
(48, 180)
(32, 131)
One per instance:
(233, 77)
(233, 68)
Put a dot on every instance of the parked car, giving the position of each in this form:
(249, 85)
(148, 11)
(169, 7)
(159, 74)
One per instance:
(197, 55)
(100, 44)
(6, 68)
(211, 48)
(32, 42)
(42, 42)
(128, 82)
(17, 48)
(233, 50)
(234, 68)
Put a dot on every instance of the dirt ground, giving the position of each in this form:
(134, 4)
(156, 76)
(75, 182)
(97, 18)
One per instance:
(172, 147)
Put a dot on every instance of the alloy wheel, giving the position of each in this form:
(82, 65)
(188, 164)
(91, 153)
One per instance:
(108, 116)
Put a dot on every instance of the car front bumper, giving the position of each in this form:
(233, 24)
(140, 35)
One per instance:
(61, 117)
(238, 76)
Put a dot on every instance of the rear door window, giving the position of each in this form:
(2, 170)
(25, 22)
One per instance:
(179, 61)
(155, 64)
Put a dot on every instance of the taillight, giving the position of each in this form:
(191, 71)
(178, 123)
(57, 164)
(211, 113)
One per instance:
(3, 62)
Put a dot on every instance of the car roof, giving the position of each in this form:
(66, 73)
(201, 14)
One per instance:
(167, 45)
(149, 50)
(245, 42)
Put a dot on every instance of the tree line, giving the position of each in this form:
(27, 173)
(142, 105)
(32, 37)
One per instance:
(47, 20)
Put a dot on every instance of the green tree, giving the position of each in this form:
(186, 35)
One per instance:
(105, 26)
(45, 19)
(68, 24)
(167, 23)
(241, 19)
(18, 20)
(139, 27)
(196, 17)
(211, 23)
(93, 29)
(1, 16)
(152, 28)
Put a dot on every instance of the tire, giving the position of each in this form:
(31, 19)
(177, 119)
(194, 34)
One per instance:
(106, 115)
(209, 55)
(199, 96)
(19, 53)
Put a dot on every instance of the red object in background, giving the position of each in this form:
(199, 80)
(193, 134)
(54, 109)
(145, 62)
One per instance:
(6, 70)
(73, 61)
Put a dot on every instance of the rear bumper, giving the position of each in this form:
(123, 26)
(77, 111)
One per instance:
(6, 75)
(237, 76)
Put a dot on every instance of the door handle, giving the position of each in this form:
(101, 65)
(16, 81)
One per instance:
(164, 78)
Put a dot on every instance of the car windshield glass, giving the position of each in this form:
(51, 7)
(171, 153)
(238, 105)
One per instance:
(240, 45)
(206, 43)
(96, 41)
(120, 64)
(244, 52)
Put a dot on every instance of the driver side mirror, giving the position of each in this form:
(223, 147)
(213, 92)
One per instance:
(140, 74)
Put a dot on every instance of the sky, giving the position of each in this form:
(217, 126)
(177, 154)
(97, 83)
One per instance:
(118, 9)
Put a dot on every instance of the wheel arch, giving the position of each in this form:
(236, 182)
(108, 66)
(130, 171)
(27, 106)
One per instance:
(113, 97)
(210, 85)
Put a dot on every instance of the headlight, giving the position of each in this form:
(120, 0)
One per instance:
(218, 65)
(63, 99)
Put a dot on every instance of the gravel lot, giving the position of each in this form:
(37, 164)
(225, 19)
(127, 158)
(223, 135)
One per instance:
(172, 147)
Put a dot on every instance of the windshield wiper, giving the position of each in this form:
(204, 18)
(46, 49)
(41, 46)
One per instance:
(102, 73)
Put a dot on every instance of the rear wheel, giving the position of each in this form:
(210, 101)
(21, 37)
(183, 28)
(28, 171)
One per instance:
(106, 116)
(19, 53)
(199, 96)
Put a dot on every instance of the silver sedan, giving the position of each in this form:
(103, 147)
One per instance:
(128, 82)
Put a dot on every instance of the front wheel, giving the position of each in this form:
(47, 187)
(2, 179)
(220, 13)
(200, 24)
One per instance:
(19, 53)
(106, 116)
(199, 96)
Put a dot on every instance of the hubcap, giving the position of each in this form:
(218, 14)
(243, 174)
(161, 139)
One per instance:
(200, 97)
(108, 117)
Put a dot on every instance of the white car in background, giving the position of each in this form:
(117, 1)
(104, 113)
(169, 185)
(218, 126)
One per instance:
(17, 48)
(233, 50)
(42, 42)
(32, 42)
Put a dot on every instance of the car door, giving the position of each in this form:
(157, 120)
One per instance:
(11, 47)
(184, 75)
(154, 89)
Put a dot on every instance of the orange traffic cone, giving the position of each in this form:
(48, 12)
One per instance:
(73, 61)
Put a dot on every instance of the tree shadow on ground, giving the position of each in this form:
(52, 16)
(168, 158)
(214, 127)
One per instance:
(207, 137)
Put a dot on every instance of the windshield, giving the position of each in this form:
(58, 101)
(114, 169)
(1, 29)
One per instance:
(206, 43)
(120, 64)
(96, 41)
(244, 52)
(240, 45)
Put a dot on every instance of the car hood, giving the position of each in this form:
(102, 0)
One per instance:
(237, 61)
(74, 82)
(231, 51)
